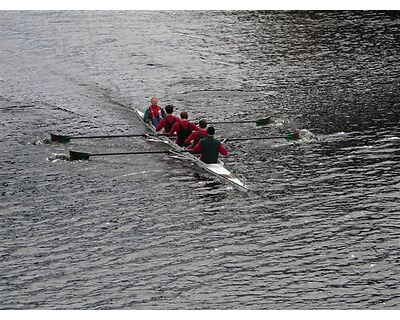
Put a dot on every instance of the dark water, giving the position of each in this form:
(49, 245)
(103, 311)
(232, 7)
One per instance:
(319, 230)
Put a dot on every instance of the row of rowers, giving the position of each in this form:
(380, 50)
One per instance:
(199, 139)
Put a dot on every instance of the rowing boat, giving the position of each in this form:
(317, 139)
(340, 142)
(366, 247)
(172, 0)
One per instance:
(216, 169)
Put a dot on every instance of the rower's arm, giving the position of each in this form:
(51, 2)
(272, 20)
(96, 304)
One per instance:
(160, 125)
(190, 138)
(197, 148)
(174, 129)
(222, 150)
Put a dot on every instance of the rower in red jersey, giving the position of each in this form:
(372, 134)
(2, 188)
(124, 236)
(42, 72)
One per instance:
(154, 113)
(167, 122)
(196, 136)
(210, 148)
(183, 129)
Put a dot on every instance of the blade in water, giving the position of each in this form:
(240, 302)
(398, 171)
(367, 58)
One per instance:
(293, 136)
(290, 136)
(263, 122)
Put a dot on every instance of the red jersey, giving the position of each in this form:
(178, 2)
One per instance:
(196, 136)
(185, 123)
(186, 126)
(167, 123)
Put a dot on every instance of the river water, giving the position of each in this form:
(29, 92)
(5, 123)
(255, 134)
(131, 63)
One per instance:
(320, 227)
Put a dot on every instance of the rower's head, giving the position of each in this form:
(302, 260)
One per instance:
(169, 109)
(203, 123)
(154, 101)
(210, 131)
(184, 115)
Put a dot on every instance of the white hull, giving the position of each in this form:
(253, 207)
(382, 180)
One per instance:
(216, 169)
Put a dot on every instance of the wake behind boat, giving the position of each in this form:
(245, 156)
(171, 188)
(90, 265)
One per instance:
(216, 169)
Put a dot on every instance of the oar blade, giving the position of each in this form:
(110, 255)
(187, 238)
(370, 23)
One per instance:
(60, 138)
(290, 136)
(293, 136)
(74, 155)
(263, 122)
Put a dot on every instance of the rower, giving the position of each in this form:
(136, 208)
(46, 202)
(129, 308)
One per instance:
(167, 122)
(183, 129)
(197, 135)
(210, 148)
(153, 113)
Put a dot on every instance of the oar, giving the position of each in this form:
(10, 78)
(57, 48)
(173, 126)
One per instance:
(293, 136)
(258, 122)
(75, 155)
(65, 139)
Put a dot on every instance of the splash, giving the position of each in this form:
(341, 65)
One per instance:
(41, 141)
(57, 157)
(307, 136)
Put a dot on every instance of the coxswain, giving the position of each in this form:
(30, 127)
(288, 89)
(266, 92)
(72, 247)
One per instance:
(167, 122)
(210, 148)
(183, 129)
(196, 136)
(154, 113)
